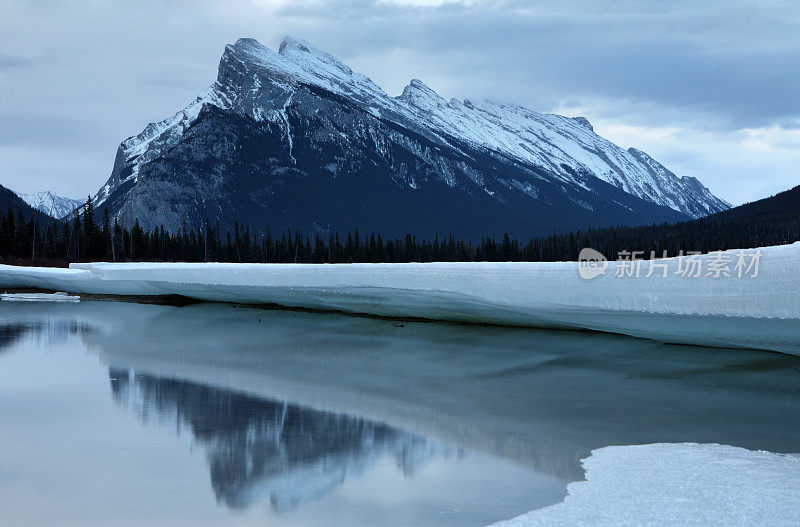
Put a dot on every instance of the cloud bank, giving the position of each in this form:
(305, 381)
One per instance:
(708, 88)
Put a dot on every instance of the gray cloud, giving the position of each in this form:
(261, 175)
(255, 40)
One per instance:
(704, 68)
(739, 61)
(11, 61)
(47, 130)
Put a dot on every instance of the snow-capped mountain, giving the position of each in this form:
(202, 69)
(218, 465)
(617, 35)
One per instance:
(50, 204)
(11, 200)
(296, 139)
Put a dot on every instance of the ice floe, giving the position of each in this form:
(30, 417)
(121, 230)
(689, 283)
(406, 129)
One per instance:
(678, 484)
(39, 297)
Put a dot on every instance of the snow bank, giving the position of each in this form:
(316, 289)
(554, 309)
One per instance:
(40, 277)
(77, 279)
(678, 484)
(746, 307)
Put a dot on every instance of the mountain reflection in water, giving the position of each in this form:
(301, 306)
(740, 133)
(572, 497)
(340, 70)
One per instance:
(262, 447)
(53, 331)
(318, 419)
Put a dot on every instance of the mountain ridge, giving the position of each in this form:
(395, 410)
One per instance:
(51, 204)
(9, 200)
(288, 89)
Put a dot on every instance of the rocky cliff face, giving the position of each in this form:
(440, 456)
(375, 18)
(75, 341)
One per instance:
(295, 139)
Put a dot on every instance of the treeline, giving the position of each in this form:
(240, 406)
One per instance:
(82, 238)
(703, 235)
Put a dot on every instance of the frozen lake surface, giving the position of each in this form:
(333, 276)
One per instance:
(738, 298)
(208, 414)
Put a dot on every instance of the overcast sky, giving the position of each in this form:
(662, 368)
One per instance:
(710, 89)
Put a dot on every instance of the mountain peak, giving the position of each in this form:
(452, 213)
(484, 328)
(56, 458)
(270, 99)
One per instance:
(295, 62)
(290, 51)
(583, 121)
(290, 44)
(311, 59)
(249, 47)
(51, 204)
(246, 42)
(419, 94)
(247, 53)
(417, 85)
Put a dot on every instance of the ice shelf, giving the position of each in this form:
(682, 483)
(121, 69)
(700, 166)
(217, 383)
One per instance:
(731, 299)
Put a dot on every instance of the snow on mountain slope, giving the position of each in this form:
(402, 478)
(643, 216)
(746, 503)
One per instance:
(50, 204)
(259, 82)
(706, 204)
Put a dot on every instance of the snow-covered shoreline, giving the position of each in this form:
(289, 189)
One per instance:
(757, 308)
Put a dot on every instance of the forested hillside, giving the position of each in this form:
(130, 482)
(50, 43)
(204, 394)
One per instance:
(26, 233)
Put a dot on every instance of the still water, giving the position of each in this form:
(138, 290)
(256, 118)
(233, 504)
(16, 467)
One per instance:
(208, 414)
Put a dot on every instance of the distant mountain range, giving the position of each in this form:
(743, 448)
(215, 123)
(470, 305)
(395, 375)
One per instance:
(10, 200)
(295, 139)
(56, 206)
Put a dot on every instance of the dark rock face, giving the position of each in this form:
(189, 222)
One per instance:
(228, 167)
(323, 150)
